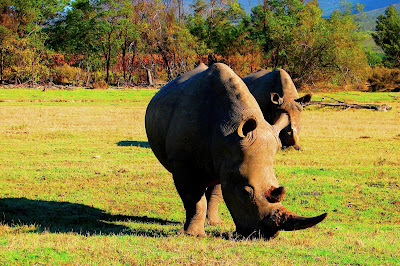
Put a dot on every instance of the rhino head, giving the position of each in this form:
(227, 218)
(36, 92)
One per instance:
(279, 101)
(250, 188)
(288, 112)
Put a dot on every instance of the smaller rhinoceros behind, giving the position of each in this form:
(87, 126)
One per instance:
(207, 129)
(278, 99)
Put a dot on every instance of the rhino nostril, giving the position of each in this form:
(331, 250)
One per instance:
(275, 194)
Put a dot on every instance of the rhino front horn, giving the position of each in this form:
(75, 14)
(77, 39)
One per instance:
(289, 221)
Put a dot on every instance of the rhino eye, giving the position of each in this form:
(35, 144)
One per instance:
(244, 193)
(246, 127)
(249, 191)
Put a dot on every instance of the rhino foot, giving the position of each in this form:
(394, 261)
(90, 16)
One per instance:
(214, 221)
(198, 233)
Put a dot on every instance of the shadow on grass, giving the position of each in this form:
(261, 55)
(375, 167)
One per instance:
(135, 143)
(65, 217)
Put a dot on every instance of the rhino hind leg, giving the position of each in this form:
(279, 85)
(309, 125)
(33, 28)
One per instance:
(193, 198)
(214, 197)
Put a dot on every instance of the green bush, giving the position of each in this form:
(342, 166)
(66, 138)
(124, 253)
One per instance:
(374, 58)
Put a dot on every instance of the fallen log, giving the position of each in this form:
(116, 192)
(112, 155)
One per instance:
(338, 103)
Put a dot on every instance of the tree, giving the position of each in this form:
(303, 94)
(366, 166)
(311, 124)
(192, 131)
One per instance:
(22, 39)
(387, 35)
(274, 25)
(217, 27)
(77, 33)
(348, 60)
(108, 26)
(6, 37)
(311, 48)
(243, 54)
(128, 34)
(162, 35)
(326, 48)
(310, 45)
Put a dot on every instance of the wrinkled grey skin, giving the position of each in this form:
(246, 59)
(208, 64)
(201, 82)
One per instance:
(207, 129)
(278, 99)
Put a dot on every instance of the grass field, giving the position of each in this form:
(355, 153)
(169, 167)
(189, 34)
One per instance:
(79, 185)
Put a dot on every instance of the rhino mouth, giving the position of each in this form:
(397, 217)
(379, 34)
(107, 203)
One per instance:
(288, 138)
(277, 218)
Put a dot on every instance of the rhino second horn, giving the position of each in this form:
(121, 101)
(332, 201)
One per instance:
(281, 122)
(288, 221)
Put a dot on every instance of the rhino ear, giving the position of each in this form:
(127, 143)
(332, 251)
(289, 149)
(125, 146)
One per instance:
(276, 99)
(247, 126)
(305, 99)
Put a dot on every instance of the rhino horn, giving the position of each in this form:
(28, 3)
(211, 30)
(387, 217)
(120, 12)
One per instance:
(281, 122)
(288, 221)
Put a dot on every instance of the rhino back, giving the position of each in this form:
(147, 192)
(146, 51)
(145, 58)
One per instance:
(200, 68)
(263, 82)
(183, 120)
(288, 88)
(162, 110)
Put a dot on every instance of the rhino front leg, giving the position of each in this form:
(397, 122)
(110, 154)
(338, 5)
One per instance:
(214, 197)
(195, 217)
(194, 200)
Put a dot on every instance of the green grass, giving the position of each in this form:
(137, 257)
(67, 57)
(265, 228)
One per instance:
(79, 185)
(74, 96)
(359, 97)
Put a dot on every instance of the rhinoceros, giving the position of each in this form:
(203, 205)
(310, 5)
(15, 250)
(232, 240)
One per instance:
(208, 130)
(279, 101)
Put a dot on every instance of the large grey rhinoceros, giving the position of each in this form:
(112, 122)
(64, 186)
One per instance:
(207, 129)
(278, 99)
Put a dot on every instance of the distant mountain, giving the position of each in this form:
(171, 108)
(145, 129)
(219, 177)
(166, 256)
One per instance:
(328, 6)
(368, 21)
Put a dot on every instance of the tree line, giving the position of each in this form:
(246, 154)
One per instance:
(126, 42)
